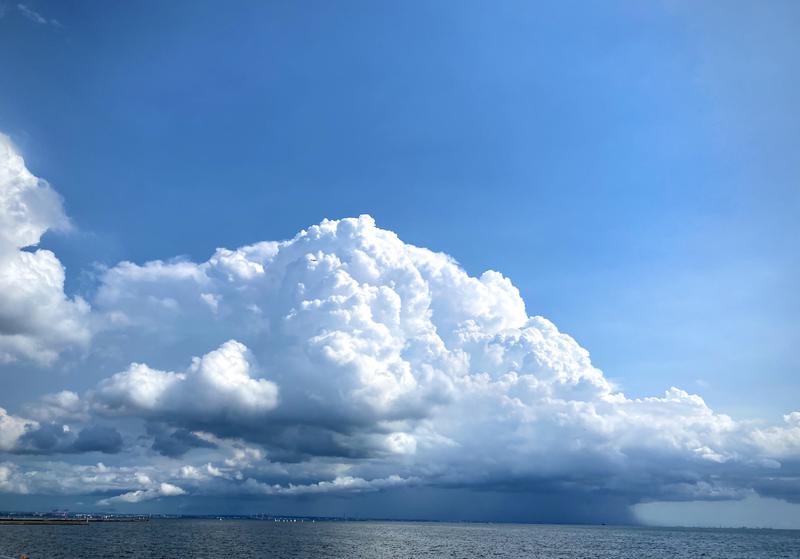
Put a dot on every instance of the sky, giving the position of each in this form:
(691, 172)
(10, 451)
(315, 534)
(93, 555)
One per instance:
(544, 253)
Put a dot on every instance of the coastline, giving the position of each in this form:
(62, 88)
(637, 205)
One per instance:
(64, 521)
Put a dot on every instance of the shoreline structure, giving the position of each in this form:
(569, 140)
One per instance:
(21, 521)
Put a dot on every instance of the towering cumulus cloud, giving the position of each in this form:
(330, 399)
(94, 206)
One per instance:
(37, 321)
(391, 360)
(341, 361)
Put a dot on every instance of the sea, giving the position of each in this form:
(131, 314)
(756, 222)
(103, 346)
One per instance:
(227, 539)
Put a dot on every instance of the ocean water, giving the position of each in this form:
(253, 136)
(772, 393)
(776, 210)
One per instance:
(377, 540)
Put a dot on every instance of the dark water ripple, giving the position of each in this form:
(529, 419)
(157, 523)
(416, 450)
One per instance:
(231, 539)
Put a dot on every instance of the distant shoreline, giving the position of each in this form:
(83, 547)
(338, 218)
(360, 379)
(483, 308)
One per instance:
(63, 521)
(56, 521)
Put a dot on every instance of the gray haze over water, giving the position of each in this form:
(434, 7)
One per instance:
(373, 540)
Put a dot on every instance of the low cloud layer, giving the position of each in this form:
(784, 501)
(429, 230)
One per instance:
(342, 361)
(160, 490)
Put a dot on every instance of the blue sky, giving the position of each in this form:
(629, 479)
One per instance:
(631, 167)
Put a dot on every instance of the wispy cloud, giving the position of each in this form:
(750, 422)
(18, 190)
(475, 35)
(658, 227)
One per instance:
(36, 17)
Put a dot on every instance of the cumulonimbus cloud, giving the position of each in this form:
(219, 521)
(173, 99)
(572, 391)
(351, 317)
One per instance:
(344, 359)
(391, 354)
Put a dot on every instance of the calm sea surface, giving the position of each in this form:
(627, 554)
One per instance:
(371, 540)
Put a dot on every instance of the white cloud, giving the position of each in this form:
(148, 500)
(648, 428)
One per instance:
(341, 484)
(780, 441)
(10, 480)
(160, 490)
(61, 406)
(12, 428)
(216, 387)
(201, 473)
(37, 320)
(391, 352)
(62, 478)
(382, 364)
